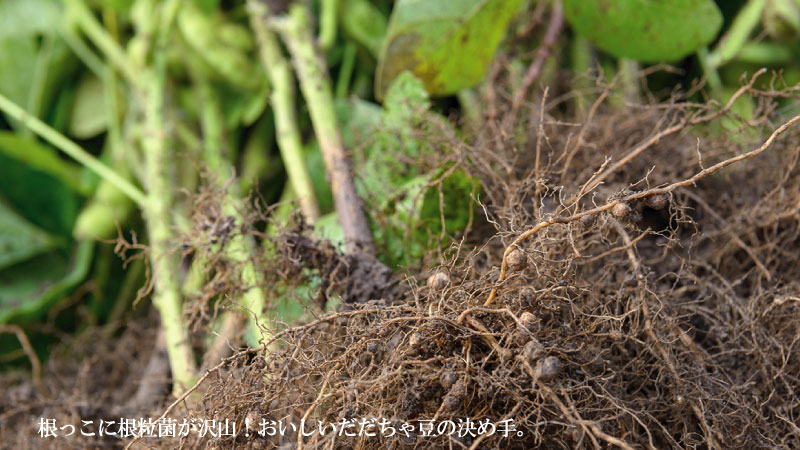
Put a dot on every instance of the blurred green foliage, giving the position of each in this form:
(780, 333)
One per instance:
(644, 30)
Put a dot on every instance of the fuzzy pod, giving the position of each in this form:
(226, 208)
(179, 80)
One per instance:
(99, 218)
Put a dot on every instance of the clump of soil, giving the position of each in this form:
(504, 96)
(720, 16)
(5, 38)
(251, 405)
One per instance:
(630, 279)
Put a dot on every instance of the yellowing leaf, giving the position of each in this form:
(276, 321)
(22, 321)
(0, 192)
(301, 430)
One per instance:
(448, 44)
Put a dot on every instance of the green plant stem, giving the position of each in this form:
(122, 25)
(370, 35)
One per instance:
(346, 70)
(166, 296)
(581, 61)
(280, 215)
(99, 36)
(327, 24)
(241, 247)
(712, 76)
(295, 29)
(282, 100)
(83, 52)
(40, 76)
(765, 53)
(127, 291)
(72, 149)
(628, 69)
(734, 39)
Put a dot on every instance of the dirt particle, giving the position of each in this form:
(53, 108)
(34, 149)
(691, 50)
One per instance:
(547, 369)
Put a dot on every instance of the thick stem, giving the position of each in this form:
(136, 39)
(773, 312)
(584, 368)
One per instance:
(629, 80)
(711, 73)
(282, 101)
(581, 61)
(295, 30)
(535, 69)
(327, 24)
(166, 296)
(241, 247)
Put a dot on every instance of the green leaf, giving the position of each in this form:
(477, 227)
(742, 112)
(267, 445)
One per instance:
(448, 44)
(255, 105)
(28, 17)
(89, 117)
(29, 289)
(242, 107)
(17, 67)
(645, 30)
(416, 211)
(258, 159)
(364, 22)
(19, 239)
(406, 213)
(406, 99)
(42, 158)
(207, 6)
(453, 205)
(328, 228)
(31, 76)
(120, 6)
(38, 197)
(21, 21)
